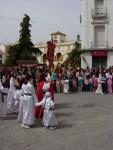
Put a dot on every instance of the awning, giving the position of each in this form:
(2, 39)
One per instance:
(99, 53)
(27, 63)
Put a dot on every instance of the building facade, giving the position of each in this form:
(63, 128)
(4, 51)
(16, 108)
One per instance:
(62, 49)
(96, 33)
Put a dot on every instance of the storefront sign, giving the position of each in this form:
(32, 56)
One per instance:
(99, 53)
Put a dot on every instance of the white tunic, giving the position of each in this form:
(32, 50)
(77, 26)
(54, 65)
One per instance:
(99, 88)
(49, 118)
(3, 104)
(46, 86)
(20, 115)
(28, 100)
(17, 97)
(66, 86)
(10, 97)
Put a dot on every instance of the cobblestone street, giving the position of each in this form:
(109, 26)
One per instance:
(85, 123)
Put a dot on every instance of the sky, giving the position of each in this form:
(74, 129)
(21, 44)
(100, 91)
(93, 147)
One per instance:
(47, 16)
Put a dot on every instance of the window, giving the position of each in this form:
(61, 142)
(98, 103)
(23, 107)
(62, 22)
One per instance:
(44, 57)
(99, 36)
(99, 3)
(59, 57)
(55, 37)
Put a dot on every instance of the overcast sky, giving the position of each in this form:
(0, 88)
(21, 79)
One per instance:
(47, 16)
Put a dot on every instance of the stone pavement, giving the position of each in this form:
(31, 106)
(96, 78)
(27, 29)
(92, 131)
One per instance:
(85, 123)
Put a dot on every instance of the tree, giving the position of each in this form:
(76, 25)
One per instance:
(25, 35)
(24, 49)
(12, 55)
(74, 56)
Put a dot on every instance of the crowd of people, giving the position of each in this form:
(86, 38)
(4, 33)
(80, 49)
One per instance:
(98, 80)
(19, 94)
(29, 92)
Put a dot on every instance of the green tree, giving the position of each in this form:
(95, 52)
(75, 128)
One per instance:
(12, 55)
(24, 49)
(25, 33)
(74, 55)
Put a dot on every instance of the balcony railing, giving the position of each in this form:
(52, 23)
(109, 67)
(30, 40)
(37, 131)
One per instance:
(99, 13)
(99, 44)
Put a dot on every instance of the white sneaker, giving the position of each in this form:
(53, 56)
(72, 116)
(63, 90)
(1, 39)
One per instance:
(45, 127)
(52, 128)
(26, 126)
(22, 125)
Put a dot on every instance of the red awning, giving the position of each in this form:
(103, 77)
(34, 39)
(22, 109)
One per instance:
(99, 53)
(29, 65)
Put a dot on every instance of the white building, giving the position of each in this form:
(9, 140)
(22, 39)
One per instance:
(97, 33)
(63, 47)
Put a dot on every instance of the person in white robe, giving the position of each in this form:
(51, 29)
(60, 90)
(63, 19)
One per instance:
(10, 97)
(49, 119)
(46, 86)
(66, 85)
(21, 107)
(28, 100)
(17, 98)
(99, 88)
(3, 100)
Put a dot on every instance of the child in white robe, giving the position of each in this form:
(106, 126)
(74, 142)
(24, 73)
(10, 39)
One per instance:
(49, 119)
(3, 101)
(66, 85)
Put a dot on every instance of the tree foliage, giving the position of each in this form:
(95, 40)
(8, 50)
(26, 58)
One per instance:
(25, 33)
(24, 49)
(74, 55)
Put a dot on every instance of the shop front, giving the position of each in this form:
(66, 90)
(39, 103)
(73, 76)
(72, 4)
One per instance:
(99, 58)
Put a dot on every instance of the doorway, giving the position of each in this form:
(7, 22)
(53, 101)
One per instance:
(99, 61)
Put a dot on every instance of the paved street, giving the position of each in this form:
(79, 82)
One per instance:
(85, 123)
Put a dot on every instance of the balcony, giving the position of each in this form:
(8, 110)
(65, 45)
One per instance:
(99, 44)
(99, 13)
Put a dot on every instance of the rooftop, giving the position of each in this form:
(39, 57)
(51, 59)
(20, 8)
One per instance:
(58, 33)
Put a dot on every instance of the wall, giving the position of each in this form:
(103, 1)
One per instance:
(86, 26)
(63, 48)
(110, 25)
(88, 62)
(110, 59)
